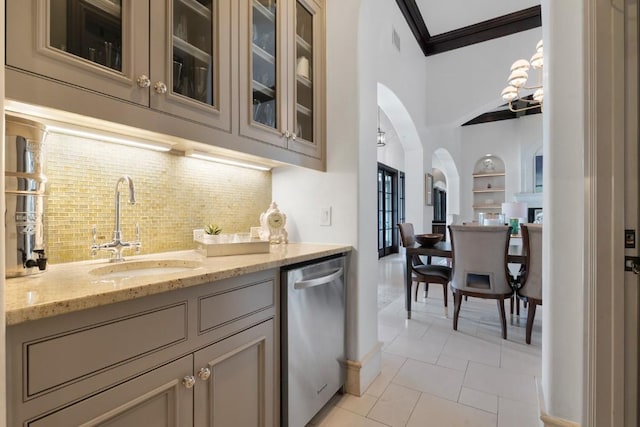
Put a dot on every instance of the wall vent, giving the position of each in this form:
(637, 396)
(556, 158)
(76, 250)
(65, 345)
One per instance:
(395, 38)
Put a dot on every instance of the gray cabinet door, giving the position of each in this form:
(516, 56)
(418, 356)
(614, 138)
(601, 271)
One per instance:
(240, 388)
(102, 46)
(157, 398)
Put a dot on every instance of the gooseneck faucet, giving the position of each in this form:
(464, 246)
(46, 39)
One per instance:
(117, 244)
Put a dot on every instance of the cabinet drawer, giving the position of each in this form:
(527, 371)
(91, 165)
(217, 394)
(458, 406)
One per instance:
(56, 360)
(218, 309)
(156, 398)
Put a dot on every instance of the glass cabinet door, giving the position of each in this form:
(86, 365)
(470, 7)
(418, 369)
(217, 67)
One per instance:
(90, 29)
(264, 69)
(90, 44)
(190, 57)
(304, 116)
(193, 42)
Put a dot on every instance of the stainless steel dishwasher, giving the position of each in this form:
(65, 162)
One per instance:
(312, 338)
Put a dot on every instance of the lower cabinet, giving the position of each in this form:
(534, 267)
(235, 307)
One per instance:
(235, 379)
(229, 383)
(157, 398)
(203, 356)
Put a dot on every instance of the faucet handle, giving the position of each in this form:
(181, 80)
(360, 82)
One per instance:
(94, 246)
(138, 244)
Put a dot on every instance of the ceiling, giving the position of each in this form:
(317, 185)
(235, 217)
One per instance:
(446, 26)
(440, 26)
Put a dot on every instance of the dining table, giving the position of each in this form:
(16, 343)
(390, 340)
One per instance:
(442, 249)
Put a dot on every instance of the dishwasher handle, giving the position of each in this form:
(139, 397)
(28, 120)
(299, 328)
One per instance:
(318, 281)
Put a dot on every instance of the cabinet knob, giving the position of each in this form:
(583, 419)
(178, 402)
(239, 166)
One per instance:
(294, 136)
(189, 381)
(160, 88)
(286, 134)
(204, 374)
(143, 81)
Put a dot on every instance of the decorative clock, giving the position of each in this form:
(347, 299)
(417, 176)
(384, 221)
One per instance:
(272, 224)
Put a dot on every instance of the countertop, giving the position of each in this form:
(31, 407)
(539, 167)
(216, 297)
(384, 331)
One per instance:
(65, 288)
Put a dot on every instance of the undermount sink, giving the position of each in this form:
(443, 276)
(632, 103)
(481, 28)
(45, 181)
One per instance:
(129, 269)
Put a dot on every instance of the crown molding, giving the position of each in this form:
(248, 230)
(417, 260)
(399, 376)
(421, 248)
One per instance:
(501, 26)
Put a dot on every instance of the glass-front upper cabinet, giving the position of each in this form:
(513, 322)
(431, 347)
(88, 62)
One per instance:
(279, 65)
(191, 63)
(192, 44)
(262, 67)
(308, 83)
(88, 43)
(304, 73)
(90, 29)
(169, 55)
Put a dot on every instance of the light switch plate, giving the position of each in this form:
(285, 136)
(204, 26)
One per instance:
(325, 216)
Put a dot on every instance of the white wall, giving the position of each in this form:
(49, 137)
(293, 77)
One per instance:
(392, 155)
(563, 345)
(3, 402)
(506, 139)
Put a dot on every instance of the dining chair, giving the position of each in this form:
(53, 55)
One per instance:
(479, 266)
(531, 289)
(421, 272)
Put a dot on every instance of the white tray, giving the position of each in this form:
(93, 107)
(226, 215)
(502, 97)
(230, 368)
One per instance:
(222, 245)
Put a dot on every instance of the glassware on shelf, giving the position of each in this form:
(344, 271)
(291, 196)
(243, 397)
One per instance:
(264, 65)
(304, 80)
(193, 49)
(200, 81)
(96, 35)
(182, 30)
(177, 77)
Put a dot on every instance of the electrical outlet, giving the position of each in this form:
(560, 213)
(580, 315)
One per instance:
(325, 216)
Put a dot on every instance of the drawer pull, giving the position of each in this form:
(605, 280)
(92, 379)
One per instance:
(189, 381)
(204, 374)
(143, 81)
(160, 88)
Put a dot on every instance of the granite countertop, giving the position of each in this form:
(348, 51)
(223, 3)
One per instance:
(65, 288)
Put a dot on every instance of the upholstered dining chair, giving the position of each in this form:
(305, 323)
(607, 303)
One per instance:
(531, 288)
(421, 272)
(479, 260)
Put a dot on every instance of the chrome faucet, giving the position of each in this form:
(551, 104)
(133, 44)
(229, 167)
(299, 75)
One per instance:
(117, 244)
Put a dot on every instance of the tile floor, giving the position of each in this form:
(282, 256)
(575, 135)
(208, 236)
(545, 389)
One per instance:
(435, 376)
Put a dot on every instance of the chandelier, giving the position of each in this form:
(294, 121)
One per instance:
(517, 79)
(382, 140)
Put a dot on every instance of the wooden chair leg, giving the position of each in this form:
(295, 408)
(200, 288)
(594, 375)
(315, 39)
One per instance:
(415, 292)
(446, 294)
(531, 314)
(503, 318)
(457, 302)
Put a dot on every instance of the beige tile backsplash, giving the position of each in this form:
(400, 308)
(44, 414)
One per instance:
(175, 194)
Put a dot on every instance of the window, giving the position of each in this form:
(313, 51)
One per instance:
(391, 208)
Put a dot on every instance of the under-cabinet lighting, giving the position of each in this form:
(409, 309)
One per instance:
(212, 158)
(149, 145)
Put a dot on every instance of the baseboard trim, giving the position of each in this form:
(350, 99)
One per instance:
(361, 373)
(547, 419)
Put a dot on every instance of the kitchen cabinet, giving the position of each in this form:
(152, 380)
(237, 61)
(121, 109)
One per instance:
(282, 73)
(202, 356)
(246, 76)
(170, 56)
(235, 380)
(156, 398)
